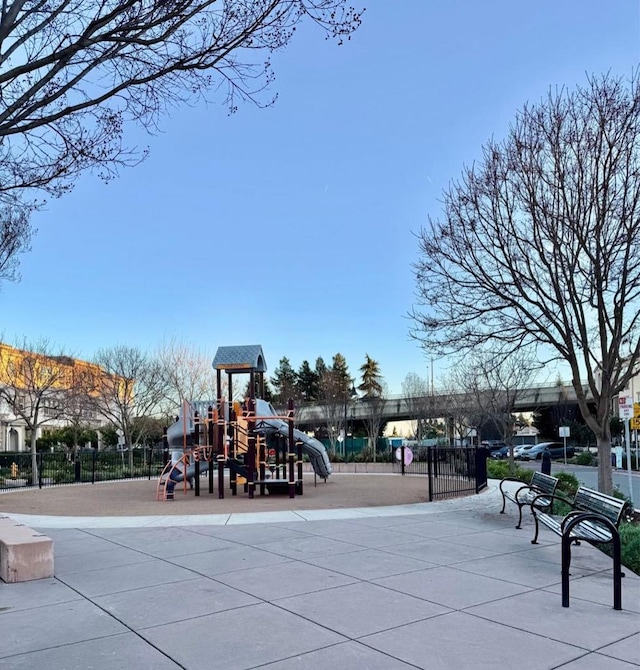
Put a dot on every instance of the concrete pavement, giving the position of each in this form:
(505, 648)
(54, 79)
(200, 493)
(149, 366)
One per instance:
(437, 586)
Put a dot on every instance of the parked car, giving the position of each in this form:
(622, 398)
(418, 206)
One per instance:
(501, 453)
(493, 445)
(556, 450)
(520, 449)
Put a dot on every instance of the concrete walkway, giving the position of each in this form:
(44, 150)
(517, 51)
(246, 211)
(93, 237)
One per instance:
(437, 586)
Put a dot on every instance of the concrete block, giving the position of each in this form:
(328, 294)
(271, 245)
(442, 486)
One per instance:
(24, 554)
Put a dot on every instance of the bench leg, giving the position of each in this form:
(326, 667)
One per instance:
(504, 502)
(617, 573)
(519, 517)
(535, 535)
(566, 562)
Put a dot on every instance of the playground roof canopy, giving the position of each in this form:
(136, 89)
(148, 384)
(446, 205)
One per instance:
(242, 358)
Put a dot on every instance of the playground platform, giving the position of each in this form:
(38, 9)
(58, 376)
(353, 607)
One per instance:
(439, 585)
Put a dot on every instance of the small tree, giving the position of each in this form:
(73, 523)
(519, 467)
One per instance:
(35, 383)
(373, 407)
(79, 411)
(128, 392)
(492, 386)
(462, 410)
(332, 395)
(371, 385)
(187, 374)
(419, 401)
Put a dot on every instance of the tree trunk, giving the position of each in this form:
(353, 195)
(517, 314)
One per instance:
(605, 480)
(34, 459)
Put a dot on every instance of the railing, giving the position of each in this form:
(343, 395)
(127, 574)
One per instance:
(85, 467)
(452, 471)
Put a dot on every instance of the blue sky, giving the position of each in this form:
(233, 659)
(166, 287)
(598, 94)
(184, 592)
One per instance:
(293, 226)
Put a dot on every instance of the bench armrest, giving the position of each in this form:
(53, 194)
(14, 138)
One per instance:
(521, 488)
(549, 498)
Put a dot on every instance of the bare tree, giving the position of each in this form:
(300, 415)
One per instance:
(373, 408)
(128, 392)
(538, 246)
(334, 401)
(187, 374)
(419, 401)
(462, 413)
(35, 383)
(492, 386)
(73, 72)
(79, 413)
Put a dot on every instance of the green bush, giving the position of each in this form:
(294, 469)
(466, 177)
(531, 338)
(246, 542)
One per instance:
(584, 458)
(629, 546)
(500, 470)
(567, 484)
(630, 542)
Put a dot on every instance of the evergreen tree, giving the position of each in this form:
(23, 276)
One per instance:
(371, 385)
(284, 381)
(268, 393)
(308, 386)
(341, 375)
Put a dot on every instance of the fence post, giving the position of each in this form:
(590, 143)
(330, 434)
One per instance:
(430, 472)
(481, 468)
(39, 461)
(76, 467)
(93, 466)
(402, 459)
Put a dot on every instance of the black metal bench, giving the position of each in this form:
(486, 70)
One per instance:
(594, 517)
(540, 485)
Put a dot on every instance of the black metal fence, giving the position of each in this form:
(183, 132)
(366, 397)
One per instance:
(452, 471)
(84, 467)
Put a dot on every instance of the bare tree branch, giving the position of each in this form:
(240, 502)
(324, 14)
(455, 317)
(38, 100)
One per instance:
(15, 239)
(72, 72)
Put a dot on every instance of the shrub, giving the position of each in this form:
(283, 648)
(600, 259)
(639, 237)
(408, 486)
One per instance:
(629, 546)
(500, 470)
(584, 458)
(630, 543)
(567, 483)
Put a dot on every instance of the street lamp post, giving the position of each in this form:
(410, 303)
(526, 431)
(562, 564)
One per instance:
(344, 437)
(352, 394)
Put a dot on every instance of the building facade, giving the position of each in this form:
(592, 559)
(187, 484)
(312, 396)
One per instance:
(58, 388)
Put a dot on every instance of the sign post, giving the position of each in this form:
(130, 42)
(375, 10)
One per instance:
(626, 413)
(564, 432)
(635, 426)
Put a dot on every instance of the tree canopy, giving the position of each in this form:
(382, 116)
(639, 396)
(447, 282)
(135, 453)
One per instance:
(73, 72)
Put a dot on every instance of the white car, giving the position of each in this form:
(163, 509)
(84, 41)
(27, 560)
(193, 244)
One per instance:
(521, 449)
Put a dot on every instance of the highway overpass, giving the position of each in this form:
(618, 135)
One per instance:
(400, 408)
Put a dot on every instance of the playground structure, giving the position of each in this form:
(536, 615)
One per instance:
(258, 447)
